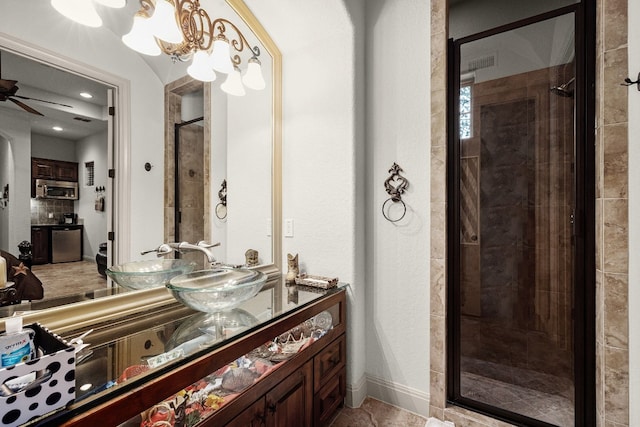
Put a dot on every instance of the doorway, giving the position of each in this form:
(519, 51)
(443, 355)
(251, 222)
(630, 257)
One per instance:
(520, 185)
(187, 164)
(189, 186)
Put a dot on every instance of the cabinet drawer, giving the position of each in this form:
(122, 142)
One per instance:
(329, 399)
(329, 362)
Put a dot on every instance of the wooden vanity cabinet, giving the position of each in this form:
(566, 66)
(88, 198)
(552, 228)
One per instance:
(304, 391)
(287, 404)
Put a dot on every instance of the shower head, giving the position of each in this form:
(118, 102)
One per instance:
(563, 90)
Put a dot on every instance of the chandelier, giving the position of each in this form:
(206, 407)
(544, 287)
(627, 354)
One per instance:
(184, 31)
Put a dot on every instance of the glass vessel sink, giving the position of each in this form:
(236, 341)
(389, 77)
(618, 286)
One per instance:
(219, 289)
(148, 274)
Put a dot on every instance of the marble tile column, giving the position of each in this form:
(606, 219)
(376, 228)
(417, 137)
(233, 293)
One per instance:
(612, 222)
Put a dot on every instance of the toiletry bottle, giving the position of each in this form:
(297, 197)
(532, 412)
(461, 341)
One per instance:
(16, 344)
(3, 272)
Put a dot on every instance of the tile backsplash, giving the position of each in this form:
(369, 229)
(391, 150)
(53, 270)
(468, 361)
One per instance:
(41, 208)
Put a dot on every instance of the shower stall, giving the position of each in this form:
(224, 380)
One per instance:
(189, 167)
(517, 174)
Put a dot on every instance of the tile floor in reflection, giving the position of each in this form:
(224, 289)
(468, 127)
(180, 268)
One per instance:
(374, 413)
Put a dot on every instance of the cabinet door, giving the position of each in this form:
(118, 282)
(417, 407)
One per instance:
(290, 403)
(40, 243)
(253, 416)
(42, 169)
(67, 171)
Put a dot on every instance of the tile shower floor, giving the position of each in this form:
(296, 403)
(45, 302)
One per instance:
(534, 394)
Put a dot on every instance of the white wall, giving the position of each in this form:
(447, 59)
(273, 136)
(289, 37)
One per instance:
(320, 128)
(249, 174)
(48, 147)
(17, 131)
(634, 215)
(6, 178)
(218, 171)
(101, 49)
(92, 149)
(398, 130)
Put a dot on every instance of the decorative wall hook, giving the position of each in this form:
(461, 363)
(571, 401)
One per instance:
(221, 207)
(628, 82)
(395, 185)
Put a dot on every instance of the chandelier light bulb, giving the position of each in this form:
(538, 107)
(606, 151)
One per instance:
(80, 11)
(116, 4)
(200, 68)
(221, 56)
(140, 37)
(164, 24)
(253, 78)
(233, 84)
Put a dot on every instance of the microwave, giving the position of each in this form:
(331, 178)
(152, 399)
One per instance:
(47, 189)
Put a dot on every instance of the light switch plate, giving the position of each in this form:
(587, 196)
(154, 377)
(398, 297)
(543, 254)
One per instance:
(288, 227)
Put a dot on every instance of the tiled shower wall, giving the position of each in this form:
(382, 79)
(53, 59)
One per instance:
(612, 376)
(612, 333)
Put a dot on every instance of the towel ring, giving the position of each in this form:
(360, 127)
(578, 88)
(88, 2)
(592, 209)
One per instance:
(395, 185)
(221, 207)
(404, 209)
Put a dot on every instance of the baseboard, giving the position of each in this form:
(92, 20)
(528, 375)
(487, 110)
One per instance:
(356, 393)
(407, 398)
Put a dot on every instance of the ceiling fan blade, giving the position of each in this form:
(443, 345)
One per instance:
(25, 107)
(42, 100)
(7, 84)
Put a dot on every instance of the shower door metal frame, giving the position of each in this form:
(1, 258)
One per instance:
(176, 182)
(583, 234)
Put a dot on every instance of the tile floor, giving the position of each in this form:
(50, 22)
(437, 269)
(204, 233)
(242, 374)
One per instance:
(69, 278)
(374, 413)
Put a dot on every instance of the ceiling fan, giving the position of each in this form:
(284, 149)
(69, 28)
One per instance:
(8, 91)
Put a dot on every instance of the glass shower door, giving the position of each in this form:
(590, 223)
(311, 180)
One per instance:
(514, 264)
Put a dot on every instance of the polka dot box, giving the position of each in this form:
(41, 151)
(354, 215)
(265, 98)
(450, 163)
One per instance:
(55, 387)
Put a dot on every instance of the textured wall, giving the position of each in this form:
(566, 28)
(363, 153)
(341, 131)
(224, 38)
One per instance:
(397, 309)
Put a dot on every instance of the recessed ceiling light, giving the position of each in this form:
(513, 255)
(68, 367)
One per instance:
(85, 387)
(86, 95)
(57, 128)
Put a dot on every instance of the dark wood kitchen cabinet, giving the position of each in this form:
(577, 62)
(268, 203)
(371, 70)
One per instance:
(40, 245)
(54, 169)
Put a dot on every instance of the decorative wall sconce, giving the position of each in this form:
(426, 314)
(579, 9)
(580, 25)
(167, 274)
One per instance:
(184, 31)
(395, 185)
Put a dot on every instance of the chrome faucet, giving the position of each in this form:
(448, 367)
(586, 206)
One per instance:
(182, 247)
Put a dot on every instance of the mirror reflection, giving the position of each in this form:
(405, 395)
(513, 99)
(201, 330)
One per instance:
(54, 141)
(232, 143)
